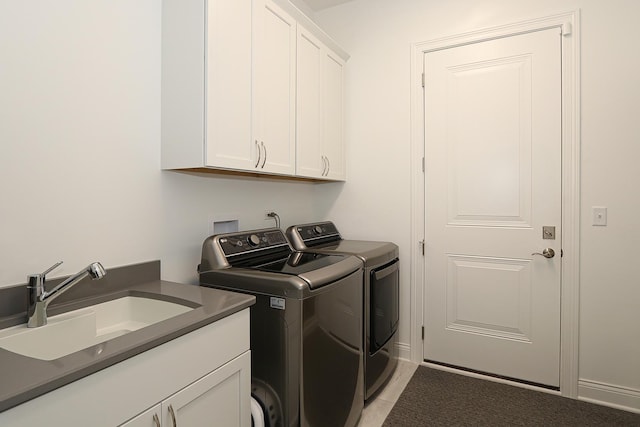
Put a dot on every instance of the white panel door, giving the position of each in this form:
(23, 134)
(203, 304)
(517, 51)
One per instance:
(492, 181)
(274, 100)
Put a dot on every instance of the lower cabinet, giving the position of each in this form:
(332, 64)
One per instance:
(216, 399)
(201, 378)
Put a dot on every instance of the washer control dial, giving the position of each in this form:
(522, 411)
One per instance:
(253, 240)
(317, 229)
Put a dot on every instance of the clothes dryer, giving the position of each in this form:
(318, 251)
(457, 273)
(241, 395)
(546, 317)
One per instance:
(381, 285)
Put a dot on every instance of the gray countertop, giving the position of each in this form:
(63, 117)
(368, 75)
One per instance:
(24, 378)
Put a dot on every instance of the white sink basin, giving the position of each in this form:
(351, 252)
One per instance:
(76, 330)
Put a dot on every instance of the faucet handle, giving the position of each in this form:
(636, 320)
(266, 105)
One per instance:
(50, 269)
(37, 280)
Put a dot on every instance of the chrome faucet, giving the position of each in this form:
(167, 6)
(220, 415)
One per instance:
(39, 298)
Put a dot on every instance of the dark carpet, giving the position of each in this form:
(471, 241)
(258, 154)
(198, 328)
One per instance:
(438, 398)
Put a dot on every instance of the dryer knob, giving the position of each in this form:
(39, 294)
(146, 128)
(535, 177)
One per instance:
(317, 229)
(253, 240)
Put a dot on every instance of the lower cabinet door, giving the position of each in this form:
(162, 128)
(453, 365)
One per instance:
(221, 398)
(149, 418)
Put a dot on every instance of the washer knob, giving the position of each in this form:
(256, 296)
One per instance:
(317, 229)
(253, 240)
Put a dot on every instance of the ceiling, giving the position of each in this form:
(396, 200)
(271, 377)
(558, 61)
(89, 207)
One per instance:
(317, 5)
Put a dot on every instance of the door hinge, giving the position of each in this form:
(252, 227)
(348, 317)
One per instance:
(421, 242)
(423, 333)
(422, 79)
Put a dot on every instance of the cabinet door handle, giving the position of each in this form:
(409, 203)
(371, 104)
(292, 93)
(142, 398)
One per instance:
(265, 154)
(328, 166)
(173, 416)
(324, 165)
(156, 420)
(259, 154)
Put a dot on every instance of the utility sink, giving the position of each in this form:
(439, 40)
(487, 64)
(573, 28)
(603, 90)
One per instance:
(76, 330)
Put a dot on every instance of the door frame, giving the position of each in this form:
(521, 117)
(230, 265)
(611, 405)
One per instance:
(569, 22)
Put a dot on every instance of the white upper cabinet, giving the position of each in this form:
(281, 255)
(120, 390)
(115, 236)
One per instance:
(274, 77)
(206, 84)
(251, 86)
(320, 143)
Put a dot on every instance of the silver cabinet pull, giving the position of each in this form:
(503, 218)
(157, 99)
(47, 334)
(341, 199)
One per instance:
(259, 154)
(173, 416)
(324, 165)
(156, 420)
(265, 154)
(328, 166)
(547, 253)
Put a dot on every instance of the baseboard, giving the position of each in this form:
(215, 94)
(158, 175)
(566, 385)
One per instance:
(404, 351)
(627, 399)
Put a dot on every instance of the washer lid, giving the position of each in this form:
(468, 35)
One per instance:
(299, 263)
(287, 284)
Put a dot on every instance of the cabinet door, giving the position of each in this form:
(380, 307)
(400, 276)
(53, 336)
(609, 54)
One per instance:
(274, 42)
(319, 108)
(310, 160)
(221, 398)
(149, 418)
(333, 116)
(206, 84)
(228, 85)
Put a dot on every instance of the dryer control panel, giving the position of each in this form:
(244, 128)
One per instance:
(309, 235)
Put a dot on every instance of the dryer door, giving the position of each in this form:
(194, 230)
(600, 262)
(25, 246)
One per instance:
(384, 304)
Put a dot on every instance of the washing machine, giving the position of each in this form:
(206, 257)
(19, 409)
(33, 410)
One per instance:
(307, 364)
(381, 291)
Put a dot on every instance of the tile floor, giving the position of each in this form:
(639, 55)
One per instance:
(376, 410)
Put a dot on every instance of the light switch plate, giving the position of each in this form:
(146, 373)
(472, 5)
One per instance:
(599, 215)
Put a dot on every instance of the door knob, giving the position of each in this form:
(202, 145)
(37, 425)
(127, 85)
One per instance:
(547, 253)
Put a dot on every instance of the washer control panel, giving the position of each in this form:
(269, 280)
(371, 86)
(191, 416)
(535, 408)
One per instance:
(239, 243)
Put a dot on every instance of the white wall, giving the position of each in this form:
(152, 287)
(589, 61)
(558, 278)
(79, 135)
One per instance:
(80, 176)
(191, 201)
(79, 132)
(378, 34)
